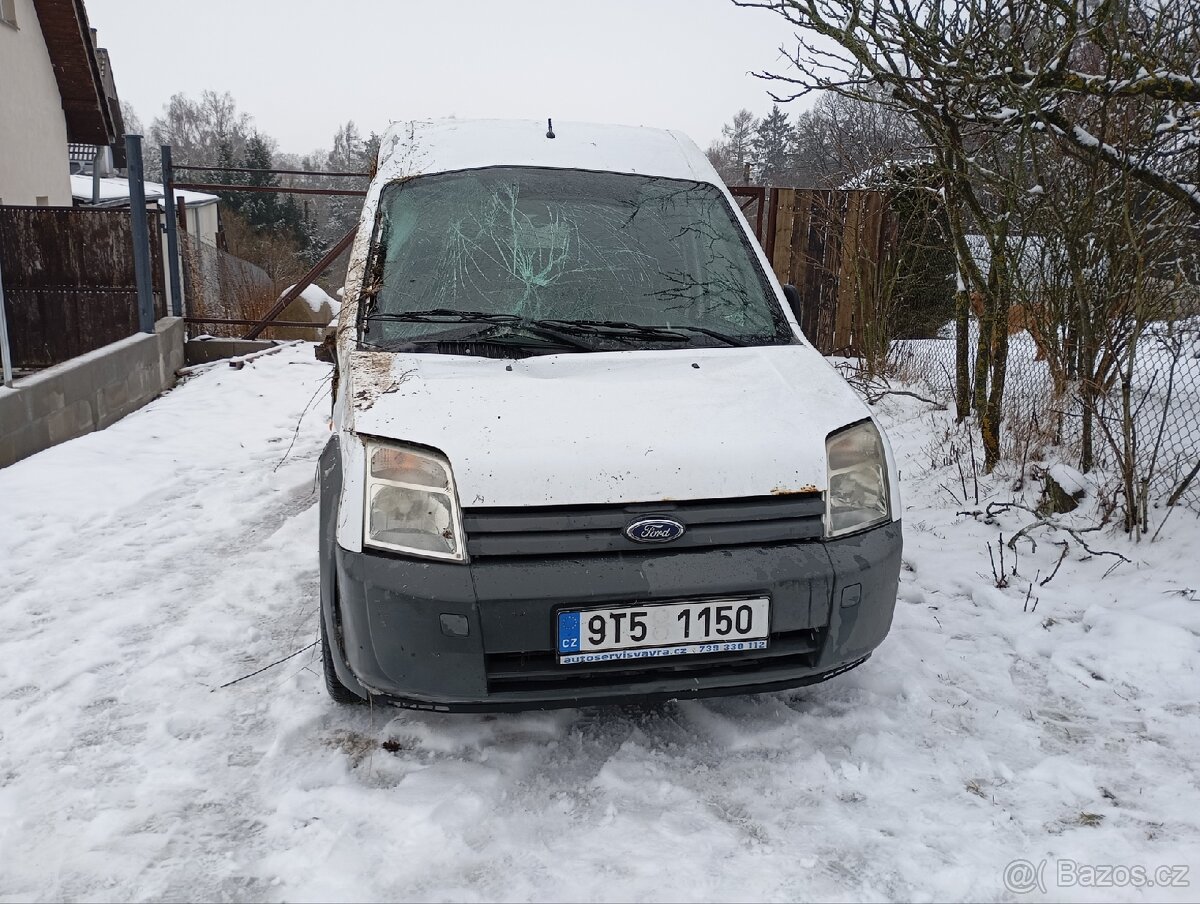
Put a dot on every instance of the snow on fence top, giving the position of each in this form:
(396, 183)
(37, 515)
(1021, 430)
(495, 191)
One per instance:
(433, 146)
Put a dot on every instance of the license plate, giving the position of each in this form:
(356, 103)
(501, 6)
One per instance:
(663, 629)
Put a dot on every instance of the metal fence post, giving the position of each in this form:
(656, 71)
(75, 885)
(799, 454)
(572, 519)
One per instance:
(141, 234)
(172, 233)
(5, 352)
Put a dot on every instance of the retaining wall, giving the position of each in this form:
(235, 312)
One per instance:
(88, 392)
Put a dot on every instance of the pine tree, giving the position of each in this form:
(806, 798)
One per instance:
(231, 200)
(772, 148)
(260, 209)
(312, 246)
(291, 222)
(350, 154)
(739, 135)
(370, 153)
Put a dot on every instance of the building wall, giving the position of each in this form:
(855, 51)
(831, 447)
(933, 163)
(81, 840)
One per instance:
(33, 130)
(203, 222)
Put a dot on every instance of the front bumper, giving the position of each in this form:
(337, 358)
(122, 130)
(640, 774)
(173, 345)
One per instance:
(452, 636)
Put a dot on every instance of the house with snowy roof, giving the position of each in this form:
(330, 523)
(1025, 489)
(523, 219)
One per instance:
(57, 96)
(200, 210)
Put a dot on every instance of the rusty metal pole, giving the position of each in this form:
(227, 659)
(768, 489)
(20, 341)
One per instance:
(5, 352)
(218, 188)
(305, 281)
(172, 234)
(141, 234)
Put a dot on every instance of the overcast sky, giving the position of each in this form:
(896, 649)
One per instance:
(302, 67)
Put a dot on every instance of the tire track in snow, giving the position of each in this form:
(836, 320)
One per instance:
(143, 599)
(161, 569)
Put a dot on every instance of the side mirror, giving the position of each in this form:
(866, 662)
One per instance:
(795, 302)
(326, 350)
(799, 309)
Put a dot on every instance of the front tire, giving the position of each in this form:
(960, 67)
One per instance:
(333, 685)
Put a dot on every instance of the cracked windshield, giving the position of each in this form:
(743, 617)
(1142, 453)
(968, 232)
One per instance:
(554, 260)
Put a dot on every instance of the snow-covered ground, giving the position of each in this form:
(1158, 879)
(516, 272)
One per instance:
(149, 564)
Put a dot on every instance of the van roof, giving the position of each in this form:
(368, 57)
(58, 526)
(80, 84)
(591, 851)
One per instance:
(436, 146)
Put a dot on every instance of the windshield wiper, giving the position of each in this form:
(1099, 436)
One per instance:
(622, 329)
(510, 346)
(445, 315)
(441, 315)
(562, 331)
(721, 337)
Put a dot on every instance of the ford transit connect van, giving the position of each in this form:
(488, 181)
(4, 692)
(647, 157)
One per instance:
(582, 452)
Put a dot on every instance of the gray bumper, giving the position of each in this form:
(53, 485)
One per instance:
(481, 636)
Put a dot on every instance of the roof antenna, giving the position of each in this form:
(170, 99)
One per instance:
(549, 128)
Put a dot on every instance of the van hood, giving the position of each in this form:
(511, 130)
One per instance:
(611, 427)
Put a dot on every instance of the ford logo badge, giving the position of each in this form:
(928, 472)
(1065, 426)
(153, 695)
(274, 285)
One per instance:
(654, 530)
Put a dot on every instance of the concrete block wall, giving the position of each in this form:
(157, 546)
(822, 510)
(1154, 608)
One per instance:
(89, 392)
(204, 351)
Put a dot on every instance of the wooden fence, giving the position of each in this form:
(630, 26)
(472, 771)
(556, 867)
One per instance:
(69, 284)
(832, 246)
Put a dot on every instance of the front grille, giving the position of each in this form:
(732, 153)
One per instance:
(583, 529)
(540, 671)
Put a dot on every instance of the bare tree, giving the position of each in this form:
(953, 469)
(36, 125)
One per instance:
(998, 61)
(132, 122)
(993, 83)
(718, 156)
(197, 129)
(842, 139)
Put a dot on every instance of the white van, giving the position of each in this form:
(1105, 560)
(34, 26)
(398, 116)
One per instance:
(582, 451)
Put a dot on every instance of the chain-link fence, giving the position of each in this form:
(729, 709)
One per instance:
(1160, 437)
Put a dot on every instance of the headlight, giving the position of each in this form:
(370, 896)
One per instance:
(411, 503)
(858, 486)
